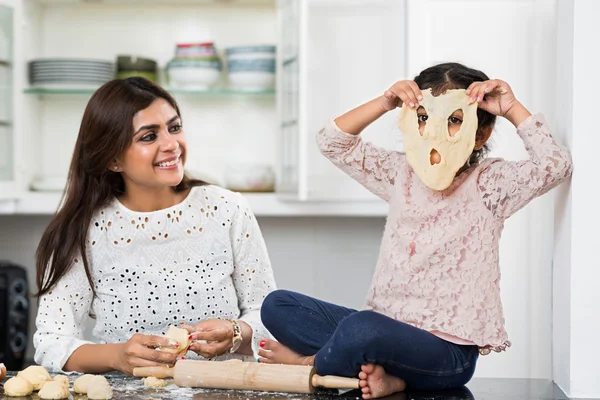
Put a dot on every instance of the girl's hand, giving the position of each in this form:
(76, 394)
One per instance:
(217, 335)
(494, 96)
(140, 351)
(401, 92)
(497, 98)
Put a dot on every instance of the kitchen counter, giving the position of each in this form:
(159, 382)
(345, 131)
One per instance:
(262, 205)
(126, 387)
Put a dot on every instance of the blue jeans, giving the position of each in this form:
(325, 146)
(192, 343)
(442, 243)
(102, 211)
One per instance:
(343, 339)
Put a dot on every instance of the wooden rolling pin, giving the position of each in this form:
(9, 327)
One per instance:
(236, 374)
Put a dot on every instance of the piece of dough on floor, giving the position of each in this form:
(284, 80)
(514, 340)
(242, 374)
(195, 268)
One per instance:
(99, 388)
(54, 390)
(62, 379)
(36, 375)
(80, 384)
(17, 387)
(155, 382)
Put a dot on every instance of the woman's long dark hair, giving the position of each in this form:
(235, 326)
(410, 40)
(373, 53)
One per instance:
(446, 76)
(105, 133)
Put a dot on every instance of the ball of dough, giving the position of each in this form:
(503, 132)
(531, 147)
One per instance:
(18, 386)
(81, 384)
(62, 379)
(54, 390)
(179, 335)
(35, 374)
(99, 388)
(155, 382)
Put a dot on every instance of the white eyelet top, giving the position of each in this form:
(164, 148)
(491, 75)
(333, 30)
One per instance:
(203, 258)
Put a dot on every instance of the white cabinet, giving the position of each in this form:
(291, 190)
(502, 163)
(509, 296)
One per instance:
(334, 55)
(223, 126)
(7, 166)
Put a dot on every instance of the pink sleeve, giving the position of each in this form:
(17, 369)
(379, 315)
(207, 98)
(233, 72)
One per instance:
(507, 186)
(373, 167)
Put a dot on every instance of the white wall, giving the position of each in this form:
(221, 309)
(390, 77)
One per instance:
(515, 45)
(577, 269)
(561, 290)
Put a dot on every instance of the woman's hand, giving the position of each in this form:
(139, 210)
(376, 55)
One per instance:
(140, 351)
(497, 98)
(401, 92)
(211, 337)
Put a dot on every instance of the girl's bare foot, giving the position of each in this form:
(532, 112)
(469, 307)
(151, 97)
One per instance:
(376, 383)
(273, 352)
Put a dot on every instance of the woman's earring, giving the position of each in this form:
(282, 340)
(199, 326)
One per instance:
(116, 167)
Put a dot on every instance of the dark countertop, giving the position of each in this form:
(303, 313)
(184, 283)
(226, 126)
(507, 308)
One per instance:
(126, 387)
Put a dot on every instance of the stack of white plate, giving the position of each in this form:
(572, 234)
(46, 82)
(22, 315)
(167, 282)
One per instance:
(70, 72)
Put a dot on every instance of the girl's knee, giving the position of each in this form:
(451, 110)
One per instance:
(360, 320)
(271, 307)
(278, 298)
(361, 328)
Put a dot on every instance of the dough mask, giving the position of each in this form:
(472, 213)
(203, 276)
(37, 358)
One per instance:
(454, 151)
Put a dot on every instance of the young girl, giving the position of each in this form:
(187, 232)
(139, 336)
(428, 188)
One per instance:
(434, 302)
(141, 246)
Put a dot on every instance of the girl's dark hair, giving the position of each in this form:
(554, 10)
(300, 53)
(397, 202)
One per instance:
(442, 77)
(105, 133)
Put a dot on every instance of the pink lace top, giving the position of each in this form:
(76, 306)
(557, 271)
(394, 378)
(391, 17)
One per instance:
(438, 265)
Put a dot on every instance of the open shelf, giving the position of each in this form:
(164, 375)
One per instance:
(178, 92)
(219, 92)
(220, 3)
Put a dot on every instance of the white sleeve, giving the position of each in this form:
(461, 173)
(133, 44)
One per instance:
(252, 274)
(60, 319)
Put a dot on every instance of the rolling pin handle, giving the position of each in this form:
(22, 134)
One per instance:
(335, 382)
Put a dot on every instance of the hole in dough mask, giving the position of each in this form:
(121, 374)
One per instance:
(434, 155)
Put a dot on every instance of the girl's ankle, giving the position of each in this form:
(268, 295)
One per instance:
(308, 360)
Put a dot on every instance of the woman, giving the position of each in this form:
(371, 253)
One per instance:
(140, 246)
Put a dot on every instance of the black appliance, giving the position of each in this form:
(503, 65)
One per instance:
(14, 315)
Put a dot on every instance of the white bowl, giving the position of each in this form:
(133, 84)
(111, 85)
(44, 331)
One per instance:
(249, 178)
(251, 56)
(193, 78)
(252, 49)
(251, 80)
(255, 52)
